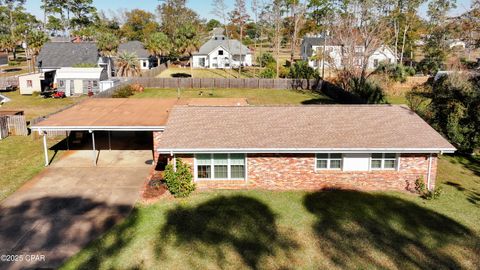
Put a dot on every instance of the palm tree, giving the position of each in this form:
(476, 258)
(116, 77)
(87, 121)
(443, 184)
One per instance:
(127, 65)
(35, 41)
(158, 44)
(6, 43)
(107, 43)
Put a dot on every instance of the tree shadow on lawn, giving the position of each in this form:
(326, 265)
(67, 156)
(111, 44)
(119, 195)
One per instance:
(468, 162)
(242, 223)
(57, 226)
(375, 230)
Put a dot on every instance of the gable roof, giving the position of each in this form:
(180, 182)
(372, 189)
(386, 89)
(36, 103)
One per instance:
(135, 47)
(299, 128)
(232, 45)
(67, 54)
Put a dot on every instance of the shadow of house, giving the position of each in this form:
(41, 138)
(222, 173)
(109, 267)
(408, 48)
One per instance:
(242, 223)
(358, 230)
(56, 227)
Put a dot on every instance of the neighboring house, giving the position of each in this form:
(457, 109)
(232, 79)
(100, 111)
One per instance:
(334, 52)
(59, 63)
(222, 52)
(368, 147)
(146, 60)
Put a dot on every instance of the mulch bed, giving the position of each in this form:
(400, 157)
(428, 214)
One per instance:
(153, 190)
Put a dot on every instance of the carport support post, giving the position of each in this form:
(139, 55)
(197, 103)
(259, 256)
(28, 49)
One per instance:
(109, 142)
(45, 150)
(66, 138)
(94, 151)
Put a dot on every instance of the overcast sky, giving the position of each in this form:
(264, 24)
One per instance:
(202, 7)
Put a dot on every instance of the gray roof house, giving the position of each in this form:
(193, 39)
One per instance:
(138, 48)
(72, 67)
(55, 55)
(221, 52)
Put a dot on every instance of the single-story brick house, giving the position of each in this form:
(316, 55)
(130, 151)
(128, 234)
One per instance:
(230, 144)
(367, 147)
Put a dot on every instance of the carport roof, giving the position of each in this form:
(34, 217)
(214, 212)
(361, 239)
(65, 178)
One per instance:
(123, 113)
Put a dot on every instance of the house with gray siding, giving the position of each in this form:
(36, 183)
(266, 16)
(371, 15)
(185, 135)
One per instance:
(145, 59)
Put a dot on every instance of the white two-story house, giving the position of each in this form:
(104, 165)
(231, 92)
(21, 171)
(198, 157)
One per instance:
(222, 52)
(334, 54)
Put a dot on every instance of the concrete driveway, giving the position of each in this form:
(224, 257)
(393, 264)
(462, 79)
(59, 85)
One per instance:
(69, 204)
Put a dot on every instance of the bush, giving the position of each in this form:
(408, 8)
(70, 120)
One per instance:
(179, 182)
(123, 92)
(301, 70)
(137, 87)
(268, 73)
(410, 71)
(266, 59)
(430, 66)
(367, 90)
(13, 63)
(396, 72)
(421, 189)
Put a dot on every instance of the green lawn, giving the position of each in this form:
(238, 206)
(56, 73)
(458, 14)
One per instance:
(301, 230)
(21, 158)
(35, 106)
(254, 96)
(399, 99)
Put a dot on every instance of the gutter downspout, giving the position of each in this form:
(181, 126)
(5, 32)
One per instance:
(429, 171)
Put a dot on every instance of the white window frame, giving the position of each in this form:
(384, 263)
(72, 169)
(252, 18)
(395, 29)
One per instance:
(212, 170)
(328, 159)
(382, 164)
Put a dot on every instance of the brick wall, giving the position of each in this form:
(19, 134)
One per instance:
(296, 172)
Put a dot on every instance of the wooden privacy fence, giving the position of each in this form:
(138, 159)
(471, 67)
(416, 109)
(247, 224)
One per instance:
(156, 71)
(14, 125)
(50, 133)
(250, 83)
(3, 127)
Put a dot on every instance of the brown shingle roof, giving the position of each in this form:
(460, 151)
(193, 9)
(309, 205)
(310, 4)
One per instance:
(104, 113)
(297, 128)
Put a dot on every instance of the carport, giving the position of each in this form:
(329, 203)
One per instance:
(105, 116)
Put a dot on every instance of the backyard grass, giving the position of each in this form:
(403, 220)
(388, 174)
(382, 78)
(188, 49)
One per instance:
(254, 96)
(35, 106)
(301, 230)
(396, 99)
(200, 73)
(21, 158)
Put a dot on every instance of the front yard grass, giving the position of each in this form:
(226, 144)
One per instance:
(301, 230)
(254, 96)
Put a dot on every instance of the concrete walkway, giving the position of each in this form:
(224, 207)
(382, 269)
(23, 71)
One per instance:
(69, 204)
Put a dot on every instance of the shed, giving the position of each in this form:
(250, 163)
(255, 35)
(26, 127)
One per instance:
(30, 83)
(77, 81)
